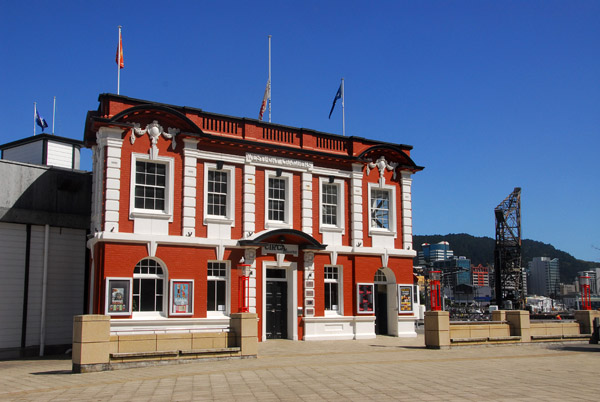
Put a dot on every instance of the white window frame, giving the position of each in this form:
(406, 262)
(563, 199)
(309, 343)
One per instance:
(391, 231)
(230, 209)
(167, 212)
(227, 310)
(288, 221)
(165, 291)
(341, 213)
(340, 283)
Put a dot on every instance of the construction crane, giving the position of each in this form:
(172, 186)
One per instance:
(507, 253)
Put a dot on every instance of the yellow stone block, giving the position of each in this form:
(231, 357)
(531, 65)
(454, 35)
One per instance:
(90, 352)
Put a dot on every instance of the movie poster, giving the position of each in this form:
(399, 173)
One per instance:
(365, 300)
(118, 297)
(405, 298)
(181, 297)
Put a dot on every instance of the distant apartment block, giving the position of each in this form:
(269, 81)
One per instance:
(480, 275)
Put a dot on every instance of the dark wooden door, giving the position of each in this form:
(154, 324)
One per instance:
(276, 310)
(381, 321)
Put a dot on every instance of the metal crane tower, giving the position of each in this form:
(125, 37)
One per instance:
(507, 253)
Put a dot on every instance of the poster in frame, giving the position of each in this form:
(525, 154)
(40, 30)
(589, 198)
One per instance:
(405, 299)
(118, 296)
(365, 298)
(182, 297)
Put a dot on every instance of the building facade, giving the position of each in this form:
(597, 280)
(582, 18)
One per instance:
(480, 275)
(197, 215)
(544, 277)
(44, 221)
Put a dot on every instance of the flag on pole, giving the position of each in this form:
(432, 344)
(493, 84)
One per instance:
(338, 95)
(263, 106)
(40, 120)
(119, 58)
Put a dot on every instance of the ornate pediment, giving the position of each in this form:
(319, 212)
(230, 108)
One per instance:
(382, 165)
(154, 131)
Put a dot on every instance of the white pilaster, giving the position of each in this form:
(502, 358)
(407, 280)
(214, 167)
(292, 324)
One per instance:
(356, 205)
(189, 187)
(406, 183)
(249, 200)
(110, 143)
(307, 203)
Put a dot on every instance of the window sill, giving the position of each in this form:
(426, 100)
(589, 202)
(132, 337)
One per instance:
(216, 314)
(381, 232)
(277, 225)
(219, 220)
(334, 229)
(149, 214)
(150, 315)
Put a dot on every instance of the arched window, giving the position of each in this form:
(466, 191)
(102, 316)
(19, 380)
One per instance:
(148, 286)
(380, 277)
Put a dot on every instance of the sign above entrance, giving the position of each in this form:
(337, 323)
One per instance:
(278, 248)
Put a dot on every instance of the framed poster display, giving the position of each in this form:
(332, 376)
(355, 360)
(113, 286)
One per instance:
(364, 298)
(405, 299)
(182, 297)
(118, 296)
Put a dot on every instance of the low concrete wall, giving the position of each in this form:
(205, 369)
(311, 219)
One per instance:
(94, 349)
(513, 326)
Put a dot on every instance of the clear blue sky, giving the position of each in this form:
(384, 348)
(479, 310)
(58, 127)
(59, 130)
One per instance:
(491, 94)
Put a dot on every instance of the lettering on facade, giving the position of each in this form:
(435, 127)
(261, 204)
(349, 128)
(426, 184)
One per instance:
(277, 248)
(276, 161)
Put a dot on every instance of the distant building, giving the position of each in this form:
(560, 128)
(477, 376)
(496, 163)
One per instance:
(44, 149)
(544, 276)
(480, 275)
(434, 252)
(455, 271)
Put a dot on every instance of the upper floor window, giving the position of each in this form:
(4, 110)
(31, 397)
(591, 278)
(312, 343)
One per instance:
(151, 187)
(148, 286)
(150, 184)
(278, 195)
(329, 198)
(277, 199)
(382, 209)
(219, 194)
(331, 204)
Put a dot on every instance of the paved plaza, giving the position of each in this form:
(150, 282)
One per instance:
(385, 368)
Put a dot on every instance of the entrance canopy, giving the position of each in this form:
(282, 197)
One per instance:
(283, 236)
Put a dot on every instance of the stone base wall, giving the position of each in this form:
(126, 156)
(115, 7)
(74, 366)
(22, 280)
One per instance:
(512, 326)
(94, 349)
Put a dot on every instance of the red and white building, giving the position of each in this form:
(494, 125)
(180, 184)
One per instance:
(186, 202)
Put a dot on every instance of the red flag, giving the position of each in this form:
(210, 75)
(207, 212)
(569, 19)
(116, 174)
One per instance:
(263, 106)
(119, 58)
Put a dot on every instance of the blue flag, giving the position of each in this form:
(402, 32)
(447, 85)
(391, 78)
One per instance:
(40, 120)
(338, 95)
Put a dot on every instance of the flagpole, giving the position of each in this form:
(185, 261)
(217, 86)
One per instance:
(34, 113)
(269, 78)
(53, 114)
(119, 63)
(343, 111)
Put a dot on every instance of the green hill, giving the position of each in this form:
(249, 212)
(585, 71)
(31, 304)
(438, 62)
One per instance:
(480, 250)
